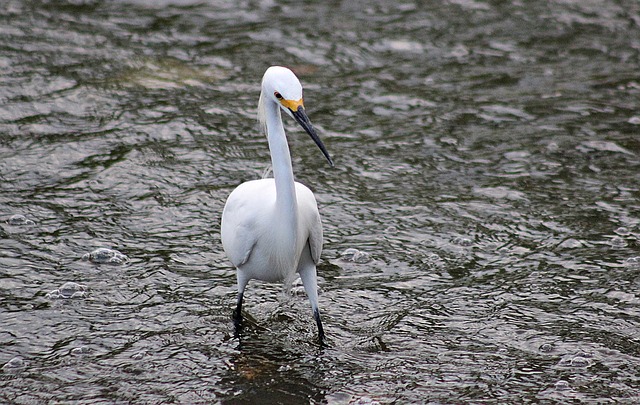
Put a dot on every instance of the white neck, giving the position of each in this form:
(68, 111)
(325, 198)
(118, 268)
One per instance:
(280, 160)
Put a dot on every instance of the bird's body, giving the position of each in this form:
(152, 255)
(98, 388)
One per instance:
(273, 251)
(271, 228)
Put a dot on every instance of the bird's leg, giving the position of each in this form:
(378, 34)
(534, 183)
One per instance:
(316, 315)
(237, 314)
(309, 281)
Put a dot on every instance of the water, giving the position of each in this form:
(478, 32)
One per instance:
(487, 159)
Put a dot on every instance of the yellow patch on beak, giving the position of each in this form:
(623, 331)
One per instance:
(292, 104)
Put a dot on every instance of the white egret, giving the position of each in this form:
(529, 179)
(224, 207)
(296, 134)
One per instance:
(271, 228)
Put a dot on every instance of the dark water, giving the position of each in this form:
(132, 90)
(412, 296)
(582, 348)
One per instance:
(487, 163)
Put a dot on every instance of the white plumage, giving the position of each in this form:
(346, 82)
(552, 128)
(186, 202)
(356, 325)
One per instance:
(271, 228)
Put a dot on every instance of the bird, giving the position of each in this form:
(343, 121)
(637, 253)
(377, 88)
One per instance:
(271, 228)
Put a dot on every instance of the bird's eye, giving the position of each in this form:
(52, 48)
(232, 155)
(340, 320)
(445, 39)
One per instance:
(278, 95)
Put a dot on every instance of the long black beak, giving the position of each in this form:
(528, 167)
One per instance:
(302, 119)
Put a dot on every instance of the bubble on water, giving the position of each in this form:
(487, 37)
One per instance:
(356, 256)
(106, 256)
(459, 240)
(562, 385)
(578, 360)
(297, 291)
(547, 347)
(69, 290)
(16, 363)
(617, 242)
(622, 231)
(20, 220)
(391, 230)
(633, 262)
(433, 260)
(499, 193)
(447, 140)
(297, 288)
(571, 243)
(634, 120)
(553, 146)
(139, 355)
(80, 351)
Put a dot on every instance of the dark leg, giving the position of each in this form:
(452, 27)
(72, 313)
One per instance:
(316, 315)
(237, 314)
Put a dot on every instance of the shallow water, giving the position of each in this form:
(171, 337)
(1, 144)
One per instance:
(487, 159)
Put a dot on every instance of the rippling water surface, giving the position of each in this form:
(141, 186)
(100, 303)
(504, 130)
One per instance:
(486, 183)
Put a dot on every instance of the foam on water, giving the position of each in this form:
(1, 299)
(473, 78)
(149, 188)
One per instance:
(356, 256)
(15, 364)
(20, 220)
(105, 256)
(69, 290)
(80, 351)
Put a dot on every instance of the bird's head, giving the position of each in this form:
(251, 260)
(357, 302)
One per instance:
(281, 86)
